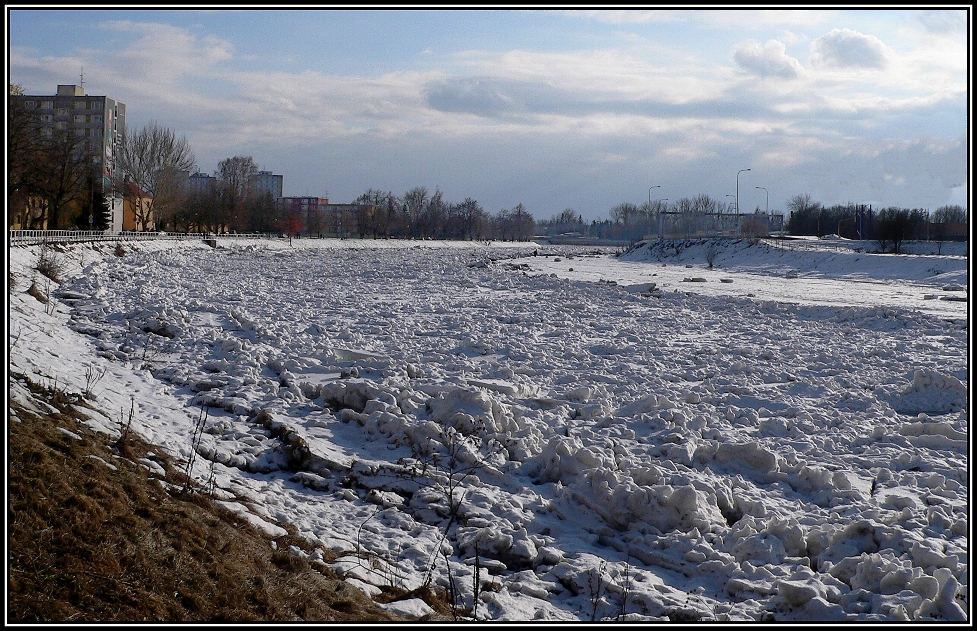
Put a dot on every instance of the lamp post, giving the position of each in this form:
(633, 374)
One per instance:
(649, 195)
(768, 198)
(660, 223)
(738, 190)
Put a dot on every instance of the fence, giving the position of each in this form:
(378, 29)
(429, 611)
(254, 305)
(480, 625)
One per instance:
(868, 246)
(34, 237)
(679, 225)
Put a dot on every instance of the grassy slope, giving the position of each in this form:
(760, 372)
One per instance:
(92, 542)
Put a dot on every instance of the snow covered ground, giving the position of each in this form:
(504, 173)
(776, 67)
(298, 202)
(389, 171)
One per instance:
(782, 436)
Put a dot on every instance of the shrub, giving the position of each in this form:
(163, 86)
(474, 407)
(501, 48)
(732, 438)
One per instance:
(50, 264)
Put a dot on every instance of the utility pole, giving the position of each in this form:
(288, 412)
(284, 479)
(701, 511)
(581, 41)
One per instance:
(649, 195)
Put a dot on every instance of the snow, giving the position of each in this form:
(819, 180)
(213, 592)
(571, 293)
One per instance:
(783, 439)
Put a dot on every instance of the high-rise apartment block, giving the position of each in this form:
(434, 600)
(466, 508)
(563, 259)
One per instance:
(99, 122)
(267, 182)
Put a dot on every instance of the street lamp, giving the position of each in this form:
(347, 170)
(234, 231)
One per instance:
(738, 190)
(649, 194)
(768, 198)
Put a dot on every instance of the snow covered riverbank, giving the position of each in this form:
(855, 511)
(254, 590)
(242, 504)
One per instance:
(588, 445)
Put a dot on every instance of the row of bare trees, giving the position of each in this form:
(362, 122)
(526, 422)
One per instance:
(888, 226)
(420, 214)
(631, 221)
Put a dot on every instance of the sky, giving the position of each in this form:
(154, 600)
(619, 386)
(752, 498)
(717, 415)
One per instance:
(785, 438)
(553, 109)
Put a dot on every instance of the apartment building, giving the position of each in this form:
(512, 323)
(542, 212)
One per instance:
(266, 182)
(302, 214)
(99, 120)
(301, 204)
(201, 183)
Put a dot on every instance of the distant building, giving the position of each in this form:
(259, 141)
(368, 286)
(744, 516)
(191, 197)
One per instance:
(201, 183)
(302, 204)
(267, 182)
(302, 214)
(345, 218)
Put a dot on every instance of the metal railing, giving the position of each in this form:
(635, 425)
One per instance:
(35, 237)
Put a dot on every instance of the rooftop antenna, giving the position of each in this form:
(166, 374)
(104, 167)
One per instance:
(83, 77)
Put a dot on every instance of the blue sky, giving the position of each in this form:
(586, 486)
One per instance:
(553, 109)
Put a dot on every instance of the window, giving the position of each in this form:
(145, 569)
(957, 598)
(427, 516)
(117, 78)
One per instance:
(47, 105)
(80, 105)
(30, 104)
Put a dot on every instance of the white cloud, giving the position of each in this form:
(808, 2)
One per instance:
(761, 19)
(768, 60)
(944, 21)
(165, 53)
(631, 16)
(845, 48)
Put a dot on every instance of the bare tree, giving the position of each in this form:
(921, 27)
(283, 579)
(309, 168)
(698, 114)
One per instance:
(894, 225)
(260, 214)
(23, 143)
(314, 221)
(940, 223)
(472, 218)
(237, 172)
(65, 171)
(624, 213)
(436, 215)
(414, 201)
(705, 204)
(153, 164)
(524, 226)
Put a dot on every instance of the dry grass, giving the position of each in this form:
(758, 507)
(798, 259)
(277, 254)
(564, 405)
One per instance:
(49, 263)
(89, 543)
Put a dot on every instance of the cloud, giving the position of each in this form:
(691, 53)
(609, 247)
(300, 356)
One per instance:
(631, 16)
(484, 97)
(845, 48)
(167, 52)
(944, 21)
(739, 19)
(769, 60)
